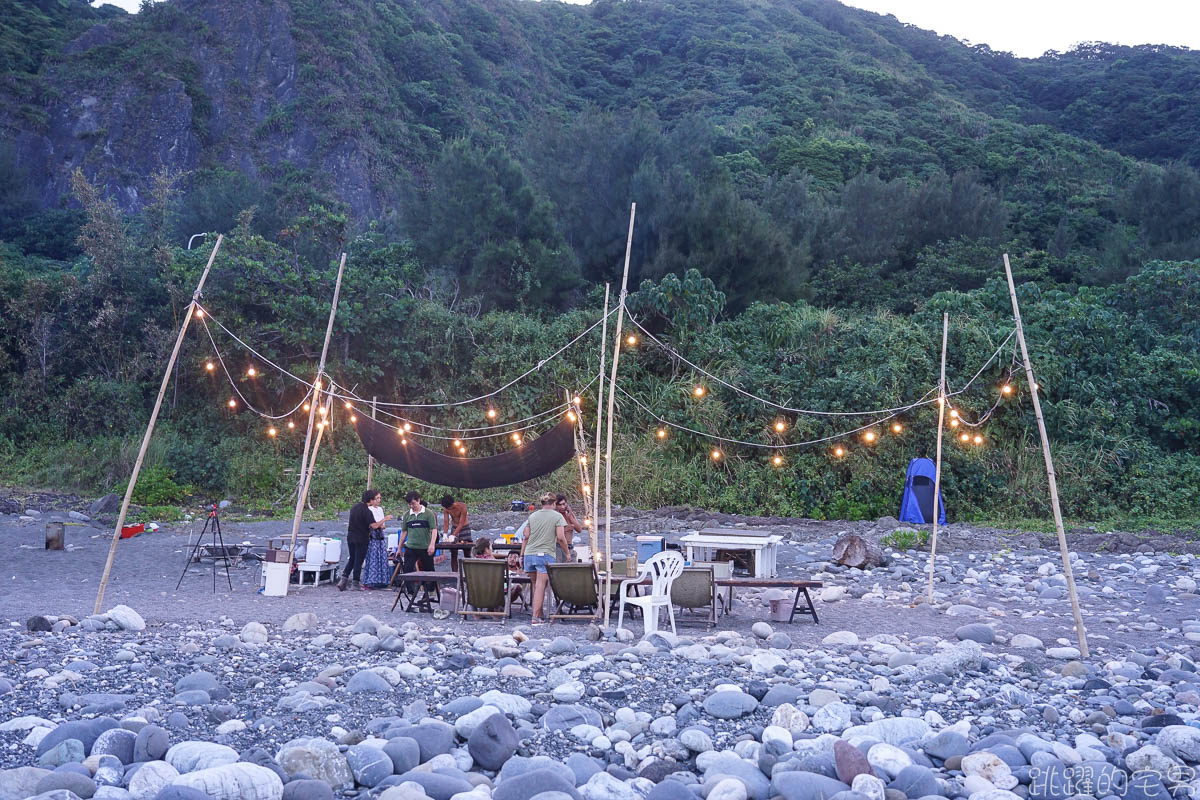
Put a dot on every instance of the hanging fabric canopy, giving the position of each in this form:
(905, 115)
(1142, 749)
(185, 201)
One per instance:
(916, 505)
(533, 459)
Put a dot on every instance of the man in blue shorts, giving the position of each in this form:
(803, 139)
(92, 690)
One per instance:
(546, 532)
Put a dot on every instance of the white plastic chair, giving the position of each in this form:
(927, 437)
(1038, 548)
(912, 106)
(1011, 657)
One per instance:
(662, 568)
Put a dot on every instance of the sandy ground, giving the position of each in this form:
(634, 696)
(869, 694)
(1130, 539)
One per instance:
(37, 581)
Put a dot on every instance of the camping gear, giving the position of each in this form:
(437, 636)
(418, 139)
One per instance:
(722, 571)
(275, 578)
(483, 587)
(333, 550)
(517, 505)
(696, 588)
(761, 547)
(649, 545)
(662, 569)
(575, 586)
(584, 553)
(129, 531)
(916, 504)
(533, 459)
(315, 554)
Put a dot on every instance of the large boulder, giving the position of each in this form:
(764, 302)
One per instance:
(852, 550)
(240, 781)
(193, 755)
(493, 742)
(317, 758)
(150, 778)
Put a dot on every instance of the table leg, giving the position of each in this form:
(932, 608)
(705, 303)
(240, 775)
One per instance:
(453, 560)
(809, 609)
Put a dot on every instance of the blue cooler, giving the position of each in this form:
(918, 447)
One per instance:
(648, 546)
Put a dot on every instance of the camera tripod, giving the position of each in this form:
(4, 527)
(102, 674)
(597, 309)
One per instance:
(212, 526)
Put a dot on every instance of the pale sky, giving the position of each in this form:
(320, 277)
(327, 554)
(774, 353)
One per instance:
(1031, 27)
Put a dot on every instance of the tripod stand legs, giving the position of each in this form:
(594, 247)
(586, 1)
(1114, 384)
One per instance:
(212, 525)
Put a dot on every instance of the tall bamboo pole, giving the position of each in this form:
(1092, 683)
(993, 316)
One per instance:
(594, 528)
(1050, 476)
(162, 390)
(371, 458)
(612, 391)
(937, 469)
(301, 490)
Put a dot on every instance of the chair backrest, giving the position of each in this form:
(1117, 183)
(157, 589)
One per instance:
(693, 588)
(721, 570)
(574, 584)
(483, 581)
(663, 568)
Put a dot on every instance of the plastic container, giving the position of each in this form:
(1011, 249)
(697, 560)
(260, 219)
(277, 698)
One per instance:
(275, 579)
(649, 545)
(333, 551)
(393, 541)
(315, 554)
(583, 552)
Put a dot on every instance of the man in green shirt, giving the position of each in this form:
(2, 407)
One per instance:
(546, 532)
(418, 540)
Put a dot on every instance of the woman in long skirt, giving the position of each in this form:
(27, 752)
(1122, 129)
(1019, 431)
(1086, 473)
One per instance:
(375, 573)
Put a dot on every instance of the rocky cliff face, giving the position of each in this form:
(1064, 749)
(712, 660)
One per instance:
(217, 89)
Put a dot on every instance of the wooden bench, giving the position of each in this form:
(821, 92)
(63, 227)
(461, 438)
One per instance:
(801, 588)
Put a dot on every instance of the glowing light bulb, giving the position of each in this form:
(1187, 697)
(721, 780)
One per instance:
(777, 460)
(869, 437)
(407, 427)
(839, 451)
(576, 400)
(321, 424)
(210, 366)
(353, 418)
(491, 413)
(199, 313)
(1006, 388)
(954, 413)
(271, 431)
(587, 522)
(583, 460)
(516, 437)
(348, 406)
(571, 416)
(232, 403)
(954, 423)
(631, 340)
(321, 410)
(458, 443)
(306, 407)
(699, 391)
(587, 488)
(1037, 387)
(780, 426)
(716, 455)
(941, 401)
(317, 385)
(662, 433)
(462, 451)
(291, 425)
(978, 439)
(251, 372)
(966, 437)
(897, 427)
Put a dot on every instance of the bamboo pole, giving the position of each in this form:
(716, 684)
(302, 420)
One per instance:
(162, 390)
(937, 469)
(301, 490)
(371, 458)
(1050, 476)
(612, 390)
(580, 457)
(594, 528)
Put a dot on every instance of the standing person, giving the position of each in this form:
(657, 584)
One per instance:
(456, 513)
(573, 527)
(546, 531)
(358, 535)
(375, 572)
(418, 539)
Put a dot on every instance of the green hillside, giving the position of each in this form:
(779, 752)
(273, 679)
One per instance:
(807, 176)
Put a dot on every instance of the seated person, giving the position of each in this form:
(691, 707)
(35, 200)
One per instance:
(482, 548)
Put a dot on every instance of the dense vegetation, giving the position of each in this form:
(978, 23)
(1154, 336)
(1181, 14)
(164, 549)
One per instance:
(815, 186)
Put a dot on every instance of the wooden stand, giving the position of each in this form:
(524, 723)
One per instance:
(305, 469)
(137, 464)
(937, 470)
(1037, 412)
(612, 388)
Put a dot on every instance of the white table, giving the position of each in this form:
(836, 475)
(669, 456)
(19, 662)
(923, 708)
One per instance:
(763, 547)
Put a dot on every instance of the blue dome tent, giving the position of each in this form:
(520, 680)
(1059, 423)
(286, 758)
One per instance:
(916, 505)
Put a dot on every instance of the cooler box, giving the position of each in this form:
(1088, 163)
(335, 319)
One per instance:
(129, 531)
(649, 545)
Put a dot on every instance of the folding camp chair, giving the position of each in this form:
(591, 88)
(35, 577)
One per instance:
(575, 587)
(483, 588)
(696, 588)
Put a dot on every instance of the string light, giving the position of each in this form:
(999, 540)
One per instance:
(869, 437)
(954, 413)
(661, 433)
(199, 312)
(210, 366)
(577, 400)
(271, 431)
(965, 437)
(291, 425)
(462, 451)
(978, 439)
(307, 407)
(458, 443)
(251, 372)
(516, 437)
(699, 391)
(777, 460)
(780, 426)
(317, 384)
(321, 424)
(631, 340)
(587, 522)
(587, 488)
(407, 427)
(715, 454)
(232, 403)
(954, 423)
(571, 416)
(897, 427)
(348, 405)
(839, 451)
(583, 460)
(321, 410)
(491, 413)
(1006, 388)
(353, 418)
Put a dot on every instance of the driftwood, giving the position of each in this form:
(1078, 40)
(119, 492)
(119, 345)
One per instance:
(852, 550)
